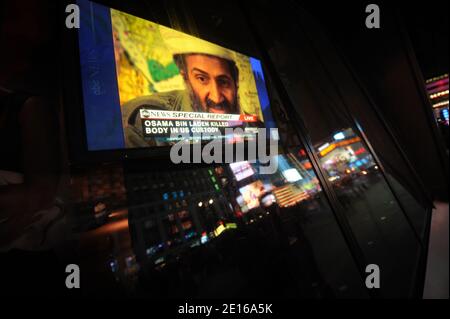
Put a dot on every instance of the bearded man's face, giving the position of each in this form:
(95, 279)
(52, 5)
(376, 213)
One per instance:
(210, 81)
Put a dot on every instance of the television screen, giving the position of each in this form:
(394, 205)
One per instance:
(147, 85)
(242, 170)
(251, 194)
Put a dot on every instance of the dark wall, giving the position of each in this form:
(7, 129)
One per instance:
(385, 62)
(29, 55)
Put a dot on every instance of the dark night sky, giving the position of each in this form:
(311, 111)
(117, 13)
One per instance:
(429, 32)
(426, 23)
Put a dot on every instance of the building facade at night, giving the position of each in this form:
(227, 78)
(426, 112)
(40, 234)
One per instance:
(360, 159)
(345, 194)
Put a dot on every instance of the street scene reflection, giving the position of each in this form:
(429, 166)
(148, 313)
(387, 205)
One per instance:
(219, 232)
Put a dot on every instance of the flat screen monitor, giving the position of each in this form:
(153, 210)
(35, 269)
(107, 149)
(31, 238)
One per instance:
(145, 85)
(251, 194)
(242, 170)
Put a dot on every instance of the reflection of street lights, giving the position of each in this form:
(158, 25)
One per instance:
(339, 136)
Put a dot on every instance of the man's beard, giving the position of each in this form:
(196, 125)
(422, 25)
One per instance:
(225, 106)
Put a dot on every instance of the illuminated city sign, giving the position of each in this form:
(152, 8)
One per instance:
(339, 136)
(292, 175)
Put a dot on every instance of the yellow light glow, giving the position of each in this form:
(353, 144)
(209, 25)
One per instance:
(443, 103)
(219, 230)
(439, 94)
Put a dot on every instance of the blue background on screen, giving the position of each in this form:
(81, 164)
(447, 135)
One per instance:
(103, 117)
(262, 92)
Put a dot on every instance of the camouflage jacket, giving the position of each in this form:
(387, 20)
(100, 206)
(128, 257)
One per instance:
(177, 100)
